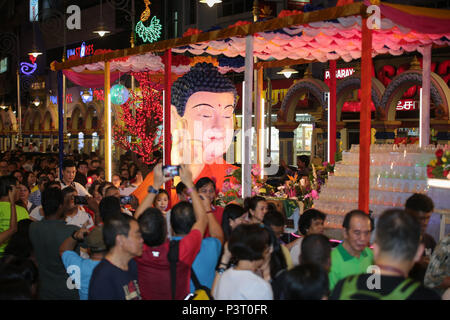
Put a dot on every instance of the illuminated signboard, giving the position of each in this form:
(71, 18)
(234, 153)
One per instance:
(81, 51)
(69, 99)
(407, 105)
(4, 65)
(34, 10)
(340, 73)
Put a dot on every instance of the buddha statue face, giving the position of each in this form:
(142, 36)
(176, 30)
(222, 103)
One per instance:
(202, 112)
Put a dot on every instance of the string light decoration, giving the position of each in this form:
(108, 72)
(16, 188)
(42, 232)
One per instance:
(145, 126)
(153, 31)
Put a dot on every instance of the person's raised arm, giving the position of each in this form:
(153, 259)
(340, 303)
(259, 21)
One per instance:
(5, 235)
(93, 205)
(215, 229)
(158, 180)
(223, 265)
(199, 210)
(71, 242)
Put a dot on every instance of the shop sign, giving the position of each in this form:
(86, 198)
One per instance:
(340, 73)
(407, 105)
(81, 51)
(54, 99)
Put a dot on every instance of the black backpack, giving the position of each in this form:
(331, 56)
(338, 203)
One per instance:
(201, 292)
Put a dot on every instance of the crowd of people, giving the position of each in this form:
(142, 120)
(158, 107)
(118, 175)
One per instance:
(76, 236)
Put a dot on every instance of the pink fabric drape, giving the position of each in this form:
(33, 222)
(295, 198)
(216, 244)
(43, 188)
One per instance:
(90, 80)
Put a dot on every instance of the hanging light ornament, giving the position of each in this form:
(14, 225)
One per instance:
(210, 3)
(153, 31)
(287, 72)
(119, 94)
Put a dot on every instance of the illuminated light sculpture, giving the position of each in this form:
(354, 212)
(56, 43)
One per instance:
(28, 68)
(146, 125)
(153, 31)
(86, 95)
(119, 94)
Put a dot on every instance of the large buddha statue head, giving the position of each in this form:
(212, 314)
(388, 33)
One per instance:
(202, 124)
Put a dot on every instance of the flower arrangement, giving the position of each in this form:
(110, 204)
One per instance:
(298, 188)
(232, 185)
(440, 167)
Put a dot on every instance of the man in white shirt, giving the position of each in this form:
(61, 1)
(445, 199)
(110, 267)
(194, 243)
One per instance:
(69, 171)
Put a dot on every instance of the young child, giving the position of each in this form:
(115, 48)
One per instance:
(161, 202)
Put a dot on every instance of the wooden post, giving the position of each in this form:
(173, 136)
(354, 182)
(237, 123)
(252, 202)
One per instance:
(364, 129)
(424, 125)
(107, 122)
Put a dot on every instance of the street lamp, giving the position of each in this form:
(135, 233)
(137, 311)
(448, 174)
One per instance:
(35, 52)
(210, 3)
(287, 72)
(36, 102)
(101, 29)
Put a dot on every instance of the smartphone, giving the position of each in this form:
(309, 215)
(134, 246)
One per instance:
(80, 200)
(171, 171)
(125, 200)
(89, 180)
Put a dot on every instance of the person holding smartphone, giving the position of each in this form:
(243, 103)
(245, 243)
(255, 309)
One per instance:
(74, 212)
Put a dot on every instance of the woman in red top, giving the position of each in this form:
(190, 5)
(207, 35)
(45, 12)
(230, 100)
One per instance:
(206, 187)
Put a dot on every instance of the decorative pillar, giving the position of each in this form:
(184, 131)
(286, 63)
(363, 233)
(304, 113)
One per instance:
(19, 111)
(60, 120)
(167, 143)
(259, 115)
(107, 121)
(247, 119)
(364, 130)
(332, 114)
(424, 125)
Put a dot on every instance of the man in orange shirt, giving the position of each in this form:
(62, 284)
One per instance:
(203, 102)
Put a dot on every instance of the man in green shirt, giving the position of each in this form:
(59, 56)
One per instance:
(6, 184)
(352, 256)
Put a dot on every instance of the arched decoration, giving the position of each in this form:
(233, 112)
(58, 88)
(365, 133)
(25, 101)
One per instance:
(36, 124)
(48, 123)
(76, 119)
(316, 88)
(5, 124)
(27, 120)
(91, 118)
(439, 93)
(10, 120)
(347, 86)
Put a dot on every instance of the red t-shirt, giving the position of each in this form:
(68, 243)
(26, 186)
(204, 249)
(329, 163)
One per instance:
(154, 268)
(218, 214)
